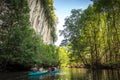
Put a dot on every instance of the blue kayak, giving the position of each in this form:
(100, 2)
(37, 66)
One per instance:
(37, 73)
(41, 73)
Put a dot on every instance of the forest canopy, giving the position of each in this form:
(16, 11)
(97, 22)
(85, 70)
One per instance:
(93, 34)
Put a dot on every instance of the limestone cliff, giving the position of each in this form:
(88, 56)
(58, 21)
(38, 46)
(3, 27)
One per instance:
(41, 17)
(39, 21)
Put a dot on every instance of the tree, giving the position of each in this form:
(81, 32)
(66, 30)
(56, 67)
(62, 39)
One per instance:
(93, 34)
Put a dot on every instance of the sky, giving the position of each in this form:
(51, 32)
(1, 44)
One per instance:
(63, 9)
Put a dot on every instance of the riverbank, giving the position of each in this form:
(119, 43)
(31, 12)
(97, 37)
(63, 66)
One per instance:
(13, 67)
(94, 67)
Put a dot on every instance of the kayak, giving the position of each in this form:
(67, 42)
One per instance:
(41, 73)
(34, 73)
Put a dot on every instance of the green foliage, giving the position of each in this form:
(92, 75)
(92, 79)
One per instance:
(63, 56)
(93, 34)
(72, 27)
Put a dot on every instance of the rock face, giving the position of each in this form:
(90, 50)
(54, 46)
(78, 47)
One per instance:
(39, 21)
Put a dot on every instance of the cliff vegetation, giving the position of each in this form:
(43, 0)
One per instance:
(20, 45)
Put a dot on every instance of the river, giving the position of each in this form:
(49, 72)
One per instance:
(66, 74)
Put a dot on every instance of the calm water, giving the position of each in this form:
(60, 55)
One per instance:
(66, 74)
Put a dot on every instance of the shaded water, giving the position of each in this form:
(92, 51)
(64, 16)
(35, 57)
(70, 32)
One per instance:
(66, 74)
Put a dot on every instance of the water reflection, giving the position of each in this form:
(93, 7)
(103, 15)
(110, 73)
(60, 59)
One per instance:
(66, 74)
(104, 74)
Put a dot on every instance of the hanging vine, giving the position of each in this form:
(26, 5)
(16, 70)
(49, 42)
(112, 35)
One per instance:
(50, 16)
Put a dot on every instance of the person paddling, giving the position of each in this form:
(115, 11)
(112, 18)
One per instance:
(34, 68)
(53, 68)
